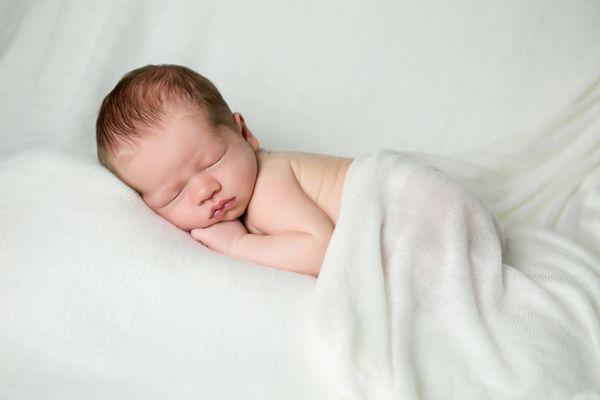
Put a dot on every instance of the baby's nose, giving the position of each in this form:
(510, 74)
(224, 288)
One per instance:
(204, 189)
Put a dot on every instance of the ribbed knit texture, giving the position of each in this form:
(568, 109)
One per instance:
(416, 299)
(100, 298)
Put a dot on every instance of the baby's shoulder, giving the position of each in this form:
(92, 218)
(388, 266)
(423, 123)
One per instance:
(279, 203)
(274, 174)
(272, 163)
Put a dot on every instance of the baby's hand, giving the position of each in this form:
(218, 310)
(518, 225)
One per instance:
(220, 236)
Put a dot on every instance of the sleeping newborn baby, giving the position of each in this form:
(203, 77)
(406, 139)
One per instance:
(166, 132)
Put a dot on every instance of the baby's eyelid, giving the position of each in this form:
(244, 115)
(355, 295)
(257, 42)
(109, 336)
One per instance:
(218, 159)
(174, 197)
(181, 190)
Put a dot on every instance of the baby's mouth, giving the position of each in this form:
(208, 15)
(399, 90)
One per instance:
(226, 205)
(212, 215)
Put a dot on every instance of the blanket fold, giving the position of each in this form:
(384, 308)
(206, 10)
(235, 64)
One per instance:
(418, 299)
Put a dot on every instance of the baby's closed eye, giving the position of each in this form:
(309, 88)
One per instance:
(180, 191)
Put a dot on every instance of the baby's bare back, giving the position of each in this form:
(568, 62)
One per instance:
(322, 179)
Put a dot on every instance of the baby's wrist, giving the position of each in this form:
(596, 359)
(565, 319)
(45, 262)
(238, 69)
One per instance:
(234, 245)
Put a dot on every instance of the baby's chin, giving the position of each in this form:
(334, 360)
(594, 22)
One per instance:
(224, 219)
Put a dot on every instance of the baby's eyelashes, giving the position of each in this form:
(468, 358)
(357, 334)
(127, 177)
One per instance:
(216, 162)
(171, 199)
(176, 196)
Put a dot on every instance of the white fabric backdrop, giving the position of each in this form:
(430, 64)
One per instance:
(341, 77)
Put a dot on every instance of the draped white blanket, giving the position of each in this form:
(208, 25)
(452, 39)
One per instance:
(417, 299)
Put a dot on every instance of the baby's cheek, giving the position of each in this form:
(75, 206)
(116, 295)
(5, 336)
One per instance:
(181, 221)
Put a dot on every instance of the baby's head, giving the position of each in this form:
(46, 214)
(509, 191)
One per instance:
(166, 132)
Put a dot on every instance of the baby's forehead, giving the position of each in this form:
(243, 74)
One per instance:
(177, 125)
(173, 111)
(126, 151)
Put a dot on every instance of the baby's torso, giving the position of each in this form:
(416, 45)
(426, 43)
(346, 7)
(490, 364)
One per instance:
(320, 176)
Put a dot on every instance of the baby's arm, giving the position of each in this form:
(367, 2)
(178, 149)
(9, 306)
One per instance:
(298, 231)
(300, 252)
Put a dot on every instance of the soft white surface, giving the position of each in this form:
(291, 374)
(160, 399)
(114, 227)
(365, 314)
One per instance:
(100, 298)
(416, 298)
(547, 175)
(333, 76)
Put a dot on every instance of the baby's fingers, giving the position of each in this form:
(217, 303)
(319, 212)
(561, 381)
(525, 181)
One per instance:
(197, 234)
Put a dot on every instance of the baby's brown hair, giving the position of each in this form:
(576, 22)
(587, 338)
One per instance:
(138, 100)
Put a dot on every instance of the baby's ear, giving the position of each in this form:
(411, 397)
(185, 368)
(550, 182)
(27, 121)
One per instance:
(250, 138)
(239, 120)
(245, 131)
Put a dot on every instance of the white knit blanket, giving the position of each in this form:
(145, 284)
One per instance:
(418, 299)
